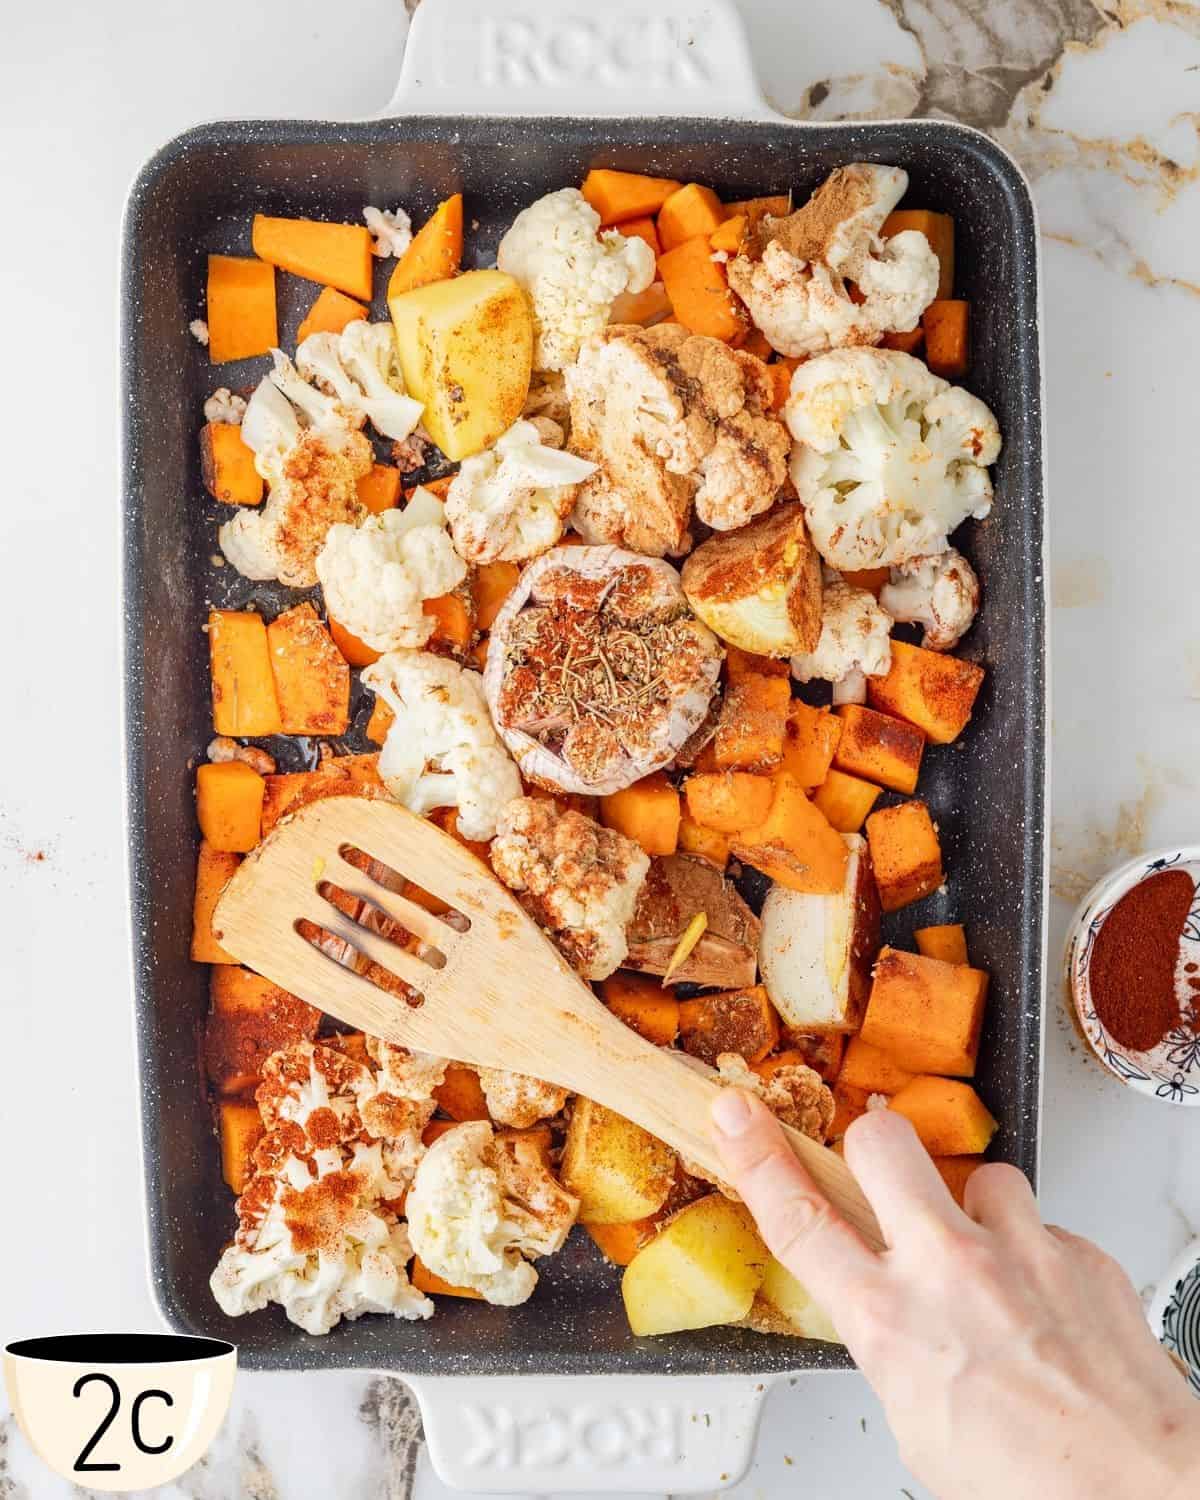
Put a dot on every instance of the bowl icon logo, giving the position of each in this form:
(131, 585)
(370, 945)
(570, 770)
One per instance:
(119, 1411)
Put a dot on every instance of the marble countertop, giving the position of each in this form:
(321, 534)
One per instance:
(1101, 106)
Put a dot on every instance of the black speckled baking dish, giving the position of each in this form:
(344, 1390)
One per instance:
(198, 195)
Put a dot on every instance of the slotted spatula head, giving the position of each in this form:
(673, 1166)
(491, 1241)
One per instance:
(479, 984)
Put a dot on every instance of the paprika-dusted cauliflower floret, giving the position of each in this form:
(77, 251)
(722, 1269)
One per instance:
(512, 500)
(889, 458)
(359, 369)
(571, 271)
(442, 750)
(941, 593)
(673, 419)
(391, 230)
(518, 1100)
(479, 1205)
(855, 641)
(794, 1094)
(576, 879)
(792, 275)
(378, 574)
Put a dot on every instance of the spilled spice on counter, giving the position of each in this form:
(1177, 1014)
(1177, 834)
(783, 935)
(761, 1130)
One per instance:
(1132, 970)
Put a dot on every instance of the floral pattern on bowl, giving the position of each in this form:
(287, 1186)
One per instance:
(1170, 1072)
(1175, 1312)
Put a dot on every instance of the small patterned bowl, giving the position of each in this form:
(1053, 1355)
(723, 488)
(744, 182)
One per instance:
(1170, 1072)
(1175, 1312)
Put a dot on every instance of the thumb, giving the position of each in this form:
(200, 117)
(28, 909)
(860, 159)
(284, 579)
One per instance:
(801, 1228)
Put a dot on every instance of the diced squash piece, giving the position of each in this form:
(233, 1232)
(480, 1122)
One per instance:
(739, 663)
(435, 253)
(620, 196)
(905, 852)
(491, 585)
(229, 799)
(579, 802)
(243, 685)
(879, 748)
(947, 942)
(446, 818)
(741, 1021)
(281, 791)
(439, 487)
(427, 1281)
(460, 1094)
(950, 1117)
(249, 1019)
(337, 255)
(728, 801)
(777, 205)
(619, 1243)
(643, 228)
(455, 627)
(691, 212)
(699, 293)
(359, 770)
(780, 373)
(312, 679)
(904, 343)
(227, 465)
(925, 1014)
(702, 1268)
(381, 720)
(938, 229)
(790, 1300)
(330, 313)
(767, 1067)
(872, 1070)
(846, 800)
(794, 843)
(435, 1130)
(241, 1128)
(728, 236)
(754, 341)
(240, 309)
(750, 730)
(955, 1171)
(646, 307)
(694, 838)
(648, 812)
(214, 867)
(641, 1002)
(379, 488)
(947, 347)
(352, 1044)
(477, 656)
(934, 691)
(871, 579)
(848, 1104)
(810, 743)
(820, 1051)
(617, 1170)
(356, 652)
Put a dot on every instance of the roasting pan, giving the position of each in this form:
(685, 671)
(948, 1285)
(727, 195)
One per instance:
(551, 90)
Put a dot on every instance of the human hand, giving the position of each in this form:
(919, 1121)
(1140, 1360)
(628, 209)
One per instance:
(1012, 1359)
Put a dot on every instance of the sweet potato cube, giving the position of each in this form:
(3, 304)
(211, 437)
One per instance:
(435, 1130)
(872, 1070)
(339, 255)
(619, 1243)
(947, 347)
(694, 838)
(690, 212)
(241, 1129)
(379, 488)
(352, 1044)
(643, 228)
(356, 652)
(947, 942)
(846, 800)
(955, 1171)
(699, 292)
(460, 1094)
(905, 852)
(879, 748)
(243, 685)
(641, 1002)
(934, 691)
(925, 1014)
(794, 843)
(777, 205)
(739, 663)
(727, 801)
(381, 720)
(741, 1021)
(435, 252)
(454, 622)
(330, 313)
(809, 744)
(249, 1019)
(620, 196)
(849, 1103)
(938, 229)
(491, 585)
(229, 801)
(820, 1052)
(227, 465)
(432, 1285)
(871, 579)
(950, 1117)
(240, 309)
(780, 372)
(648, 812)
(312, 678)
(646, 307)
(750, 731)
(729, 235)
(280, 792)
(213, 870)
(904, 343)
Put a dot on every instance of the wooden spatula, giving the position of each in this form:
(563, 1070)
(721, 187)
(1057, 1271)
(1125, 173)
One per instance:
(498, 994)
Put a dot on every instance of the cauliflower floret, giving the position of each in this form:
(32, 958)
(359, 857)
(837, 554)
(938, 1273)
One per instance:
(391, 231)
(442, 750)
(571, 272)
(547, 402)
(941, 593)
(889, 458)
(377, 576)
(794, 1094)
(198, 329)
(577, 880)
(855, 641)
(358, 369)
(224, 406)
(401, 1105)
(511, 501)
(673, 419)
(518, 1100)
(793, 275)
(479, 1205)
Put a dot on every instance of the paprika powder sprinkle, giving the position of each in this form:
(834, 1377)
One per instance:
(1132, 970)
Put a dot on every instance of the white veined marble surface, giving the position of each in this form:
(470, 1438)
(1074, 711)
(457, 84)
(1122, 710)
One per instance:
(1102, 108)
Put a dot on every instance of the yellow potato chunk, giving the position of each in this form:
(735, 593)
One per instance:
(782, 1292)
(617, 1170)
(703, 1268)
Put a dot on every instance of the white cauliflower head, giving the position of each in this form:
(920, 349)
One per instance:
(793, 274)
(855, 641)
(479, 1205)
(442, 750)
(358, 370)
(577, 880)
(518, 1100)
(511, 501)
(378, 574)
(391, 231)
(941, 593)
(571, 272)
(889, 458)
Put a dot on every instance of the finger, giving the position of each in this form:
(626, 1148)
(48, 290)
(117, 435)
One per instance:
(797, 1222)
(998, 1197)
(897, 1174)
